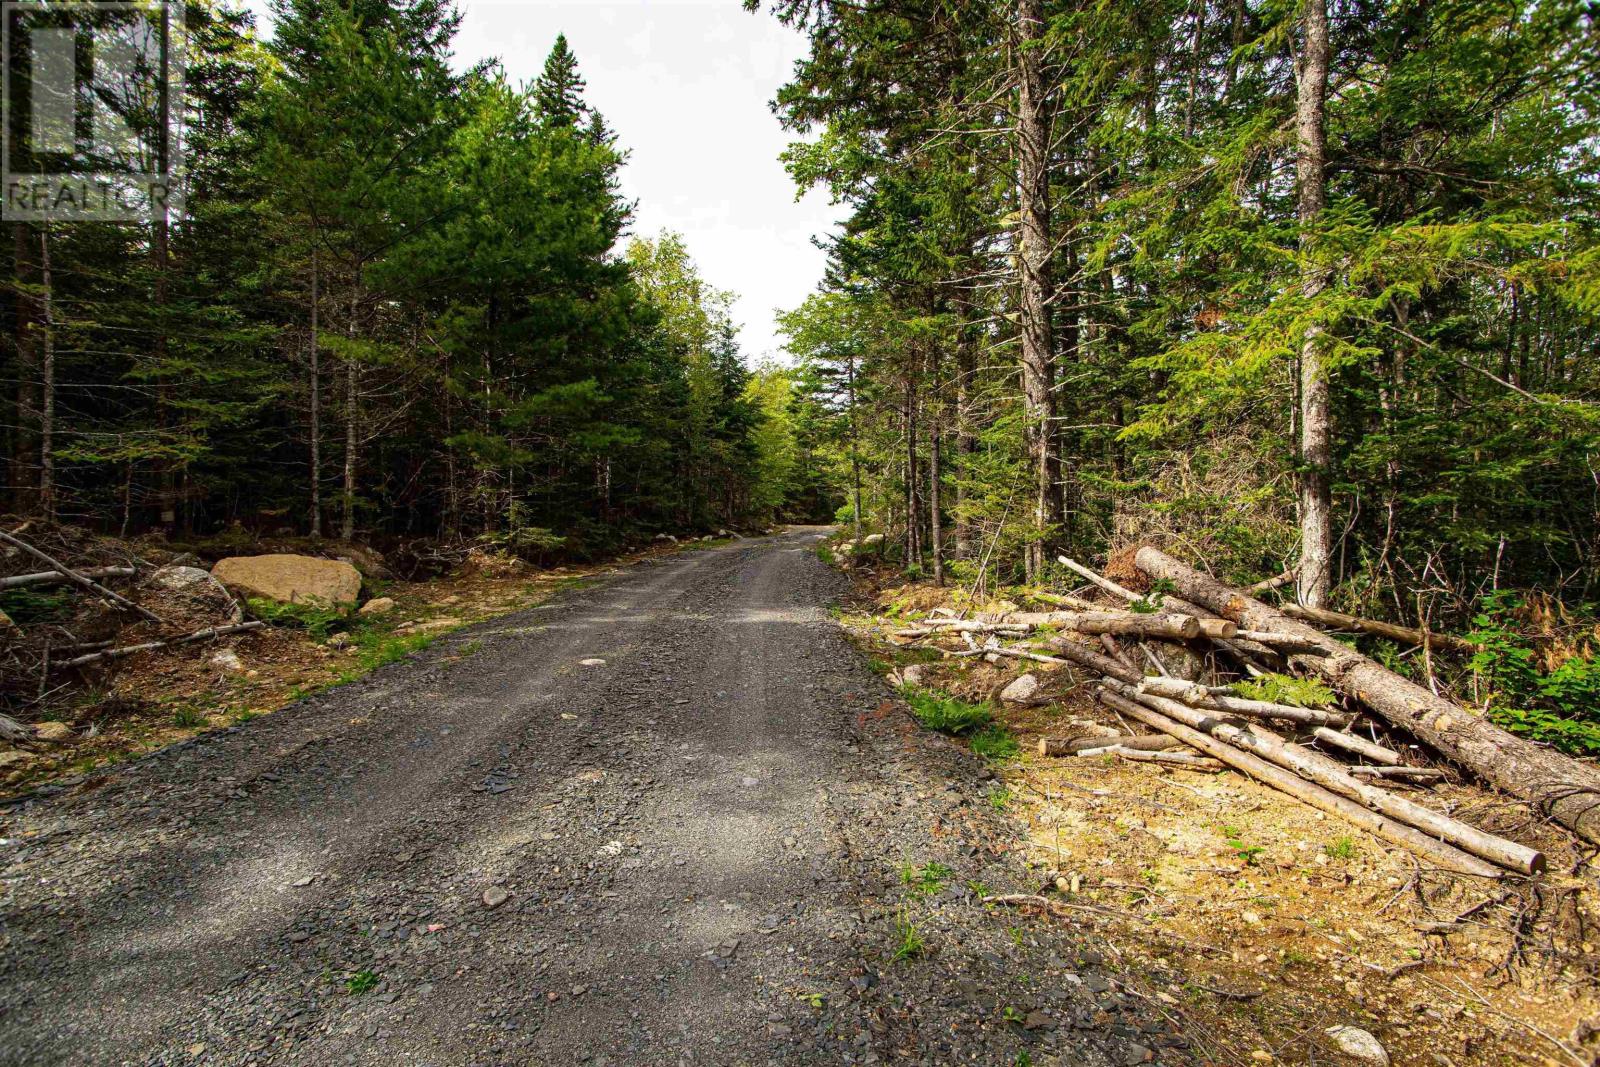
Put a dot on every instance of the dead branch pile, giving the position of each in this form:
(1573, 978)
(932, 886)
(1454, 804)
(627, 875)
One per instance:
(1150, 664)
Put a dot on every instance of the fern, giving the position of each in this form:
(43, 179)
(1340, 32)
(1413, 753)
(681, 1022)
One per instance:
(1286, 689)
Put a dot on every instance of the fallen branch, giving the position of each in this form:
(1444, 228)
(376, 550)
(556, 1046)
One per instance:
(128, 650)
(80, 580)
(1277, 581)
(1179, 759)
(1327, 773)
(1420, 773)
(1358, 745)
(1446, 856)
(17, 581)
(1404, 634)
(1066, 746)
(1563, 788)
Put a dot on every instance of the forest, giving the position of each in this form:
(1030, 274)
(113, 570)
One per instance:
(401, 302)
(1277, 286)
(1304, 288)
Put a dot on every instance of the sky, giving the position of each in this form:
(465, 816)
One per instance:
(686, 85)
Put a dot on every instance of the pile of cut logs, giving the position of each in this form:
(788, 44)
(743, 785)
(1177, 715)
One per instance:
(1127, 654)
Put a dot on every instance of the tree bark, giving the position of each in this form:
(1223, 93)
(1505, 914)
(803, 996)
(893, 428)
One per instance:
(352, 397)
(935, 500)
(1316, 432)
(316, 401)
(1033, 270)
(1403, 634)
(966, 441)
(24, 441)
(47, 381)
(1565, 789)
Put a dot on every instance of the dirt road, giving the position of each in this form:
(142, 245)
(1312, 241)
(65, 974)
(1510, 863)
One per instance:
(499, 853)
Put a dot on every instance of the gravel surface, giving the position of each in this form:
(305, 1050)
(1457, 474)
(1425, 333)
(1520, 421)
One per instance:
(661, 820)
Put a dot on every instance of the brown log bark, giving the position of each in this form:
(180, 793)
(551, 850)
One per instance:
(1563, 788)
(1446, 856)
(1066, 746)
(1403, 634)
(1316, 415)
(1358, 745)
(1329, 774)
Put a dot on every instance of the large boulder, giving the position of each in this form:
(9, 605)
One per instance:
(291, 579)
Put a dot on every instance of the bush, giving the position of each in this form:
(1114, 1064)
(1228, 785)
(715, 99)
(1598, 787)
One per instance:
(947, 714)
(315, 619)
(1559, 706)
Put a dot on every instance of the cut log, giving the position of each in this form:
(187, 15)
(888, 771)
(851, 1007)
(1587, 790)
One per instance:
(1280, 642)
(1155, 624)
(1563, 788)
(1176, 689)
(1176, 759)
(128, 650)
(1404, 634)
(1419, 773)
(1329, 774)
(16, 581)
(1066, 746)
(1446, 856)
(1359, 745)
(1253, 709)
(88, 584)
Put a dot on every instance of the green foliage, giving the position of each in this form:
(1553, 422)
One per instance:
(1341, 848)
(926, 880)
(188, 717)
(316, 619)
(1286, 689)
(1560, 707)
(948, 714)
(994, 742)
(30, 606)
(908, 941)
(361, 982)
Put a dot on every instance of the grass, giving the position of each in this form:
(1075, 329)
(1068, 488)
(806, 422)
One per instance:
(926, 880)
(1341, 848)
(318, 620)
(361, 982)
(994, 742)
(909, 943)
(1000, 799)
(948, 714)
(188, 717)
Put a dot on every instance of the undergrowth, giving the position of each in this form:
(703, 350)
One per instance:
(1547, 690)
(948, 714)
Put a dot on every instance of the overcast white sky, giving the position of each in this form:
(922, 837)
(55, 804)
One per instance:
(685, 84)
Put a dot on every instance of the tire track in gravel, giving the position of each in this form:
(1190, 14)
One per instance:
(699, 841)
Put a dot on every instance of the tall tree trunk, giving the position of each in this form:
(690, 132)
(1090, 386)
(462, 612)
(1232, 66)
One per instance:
(24, 481)
(168, 479)
(855, 446)
(935, 523)
(1316, 431)
(913, 512)
(352, 398)
(316, 400)
(1033, 268)
(966, 440)
(47, 381)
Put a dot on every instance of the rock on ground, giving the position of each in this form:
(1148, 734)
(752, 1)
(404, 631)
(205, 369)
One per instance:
(1024, 690)
(1358, 1044)
(380, 605)
(291, 579)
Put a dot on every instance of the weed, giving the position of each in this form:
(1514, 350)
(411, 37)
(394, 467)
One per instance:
(1248, 853)
(909, 943)
(947, 714)
(995, 742)
(1023, 1059)
(1341, 848)
(361, 982)
(1151, 876)
(1015, 933)
(471, 648)
(1284, 689)
(1000, 799)
(375, 648)
(825, 554)
(30, 606)
(188, 717)
(978, 889)
(816, 1000)
(1295, 958)
(1012, 1015)
(316, 619)
(926, 880)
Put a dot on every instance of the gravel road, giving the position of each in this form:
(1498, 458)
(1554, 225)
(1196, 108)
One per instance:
(497, 853)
